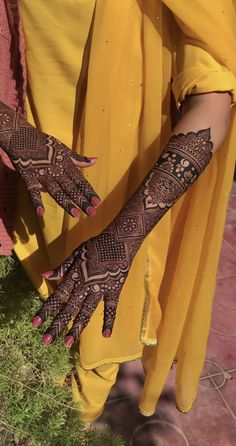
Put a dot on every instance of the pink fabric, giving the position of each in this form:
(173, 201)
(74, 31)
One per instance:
(12, 92)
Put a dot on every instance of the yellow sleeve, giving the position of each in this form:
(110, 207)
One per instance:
(197, 71)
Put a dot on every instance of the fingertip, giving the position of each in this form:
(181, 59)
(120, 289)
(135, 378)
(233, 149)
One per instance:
(47, 274)
(40, 211)
(47, 339)
(37, 321)
(85, 162)
(75, 212)
(69, 341)
(96, 201)
(91, 211)
(107, 333)
(92, 160)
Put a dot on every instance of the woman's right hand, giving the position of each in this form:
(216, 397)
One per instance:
(44, 162)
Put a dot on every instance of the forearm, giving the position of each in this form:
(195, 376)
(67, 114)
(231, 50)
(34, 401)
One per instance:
(199, 133)
(204, 111)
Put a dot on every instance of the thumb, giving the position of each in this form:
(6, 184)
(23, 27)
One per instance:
(82, 161)
(60, 271)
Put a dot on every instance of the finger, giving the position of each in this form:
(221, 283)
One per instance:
(57, 326)
(35, 196)
(60, 271)
(34, 187)
(56, 192)
(55, 301)
(83, 318)
(110, 306)
(84, 188)
(82, 161)
(76, 195)
(61, 320)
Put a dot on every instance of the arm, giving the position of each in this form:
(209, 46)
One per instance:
(99, 267)
(211, 110)
(44, 162)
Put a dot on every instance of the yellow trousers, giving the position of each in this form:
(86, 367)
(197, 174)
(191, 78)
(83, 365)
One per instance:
(93, 389)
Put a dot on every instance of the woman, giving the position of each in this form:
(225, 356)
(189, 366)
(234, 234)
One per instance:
(107, 91)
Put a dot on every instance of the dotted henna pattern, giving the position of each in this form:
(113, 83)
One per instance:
(99, 267)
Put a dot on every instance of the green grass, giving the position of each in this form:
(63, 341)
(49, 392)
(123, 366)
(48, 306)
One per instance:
(33, 407)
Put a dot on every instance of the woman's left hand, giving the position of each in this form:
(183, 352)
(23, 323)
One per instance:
(95, 271)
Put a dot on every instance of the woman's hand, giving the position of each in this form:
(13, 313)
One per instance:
(43, 162)
(95, 271)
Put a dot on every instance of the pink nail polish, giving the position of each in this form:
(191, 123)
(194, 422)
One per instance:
(91, 211)
(106, 333)
(47, 339)
(40, 211)
(95, 201)
(75, 212)
(69, 341)
(37, 321)
(93, 158)
(47, 274)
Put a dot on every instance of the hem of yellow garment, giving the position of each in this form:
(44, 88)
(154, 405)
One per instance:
(147, 341)
(184, 410)
(221, 81)
(108, 361)
(91, 419)
(149, 414)
(145, 414)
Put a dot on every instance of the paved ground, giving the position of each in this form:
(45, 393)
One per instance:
(212, 420)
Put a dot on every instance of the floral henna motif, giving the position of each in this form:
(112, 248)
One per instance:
(99, 267)
(45, 162)
(98, 272)
(182, 161)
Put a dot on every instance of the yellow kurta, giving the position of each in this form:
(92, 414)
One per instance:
(126, 52)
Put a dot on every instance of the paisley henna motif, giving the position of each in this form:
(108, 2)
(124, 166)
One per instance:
(44, 162)
(99, 267)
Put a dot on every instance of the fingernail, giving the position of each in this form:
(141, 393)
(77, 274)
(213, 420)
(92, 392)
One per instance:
(93, 158)
(40, 211)
(47, 339)
(37, 321)
(75, 212)
(47, 274)
(95, 201)
(107, 333)
(91, 211)
(69, 341)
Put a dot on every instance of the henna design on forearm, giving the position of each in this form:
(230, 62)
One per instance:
(45, 162)
(99, 267)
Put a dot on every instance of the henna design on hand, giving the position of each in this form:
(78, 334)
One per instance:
(99, 267)
(45, 162)
(98, 271)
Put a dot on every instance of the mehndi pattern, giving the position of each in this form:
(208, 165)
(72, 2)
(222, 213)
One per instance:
(45, 162)
(99, 267)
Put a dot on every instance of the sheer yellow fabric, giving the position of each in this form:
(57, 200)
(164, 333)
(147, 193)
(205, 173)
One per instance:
(133, 49)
